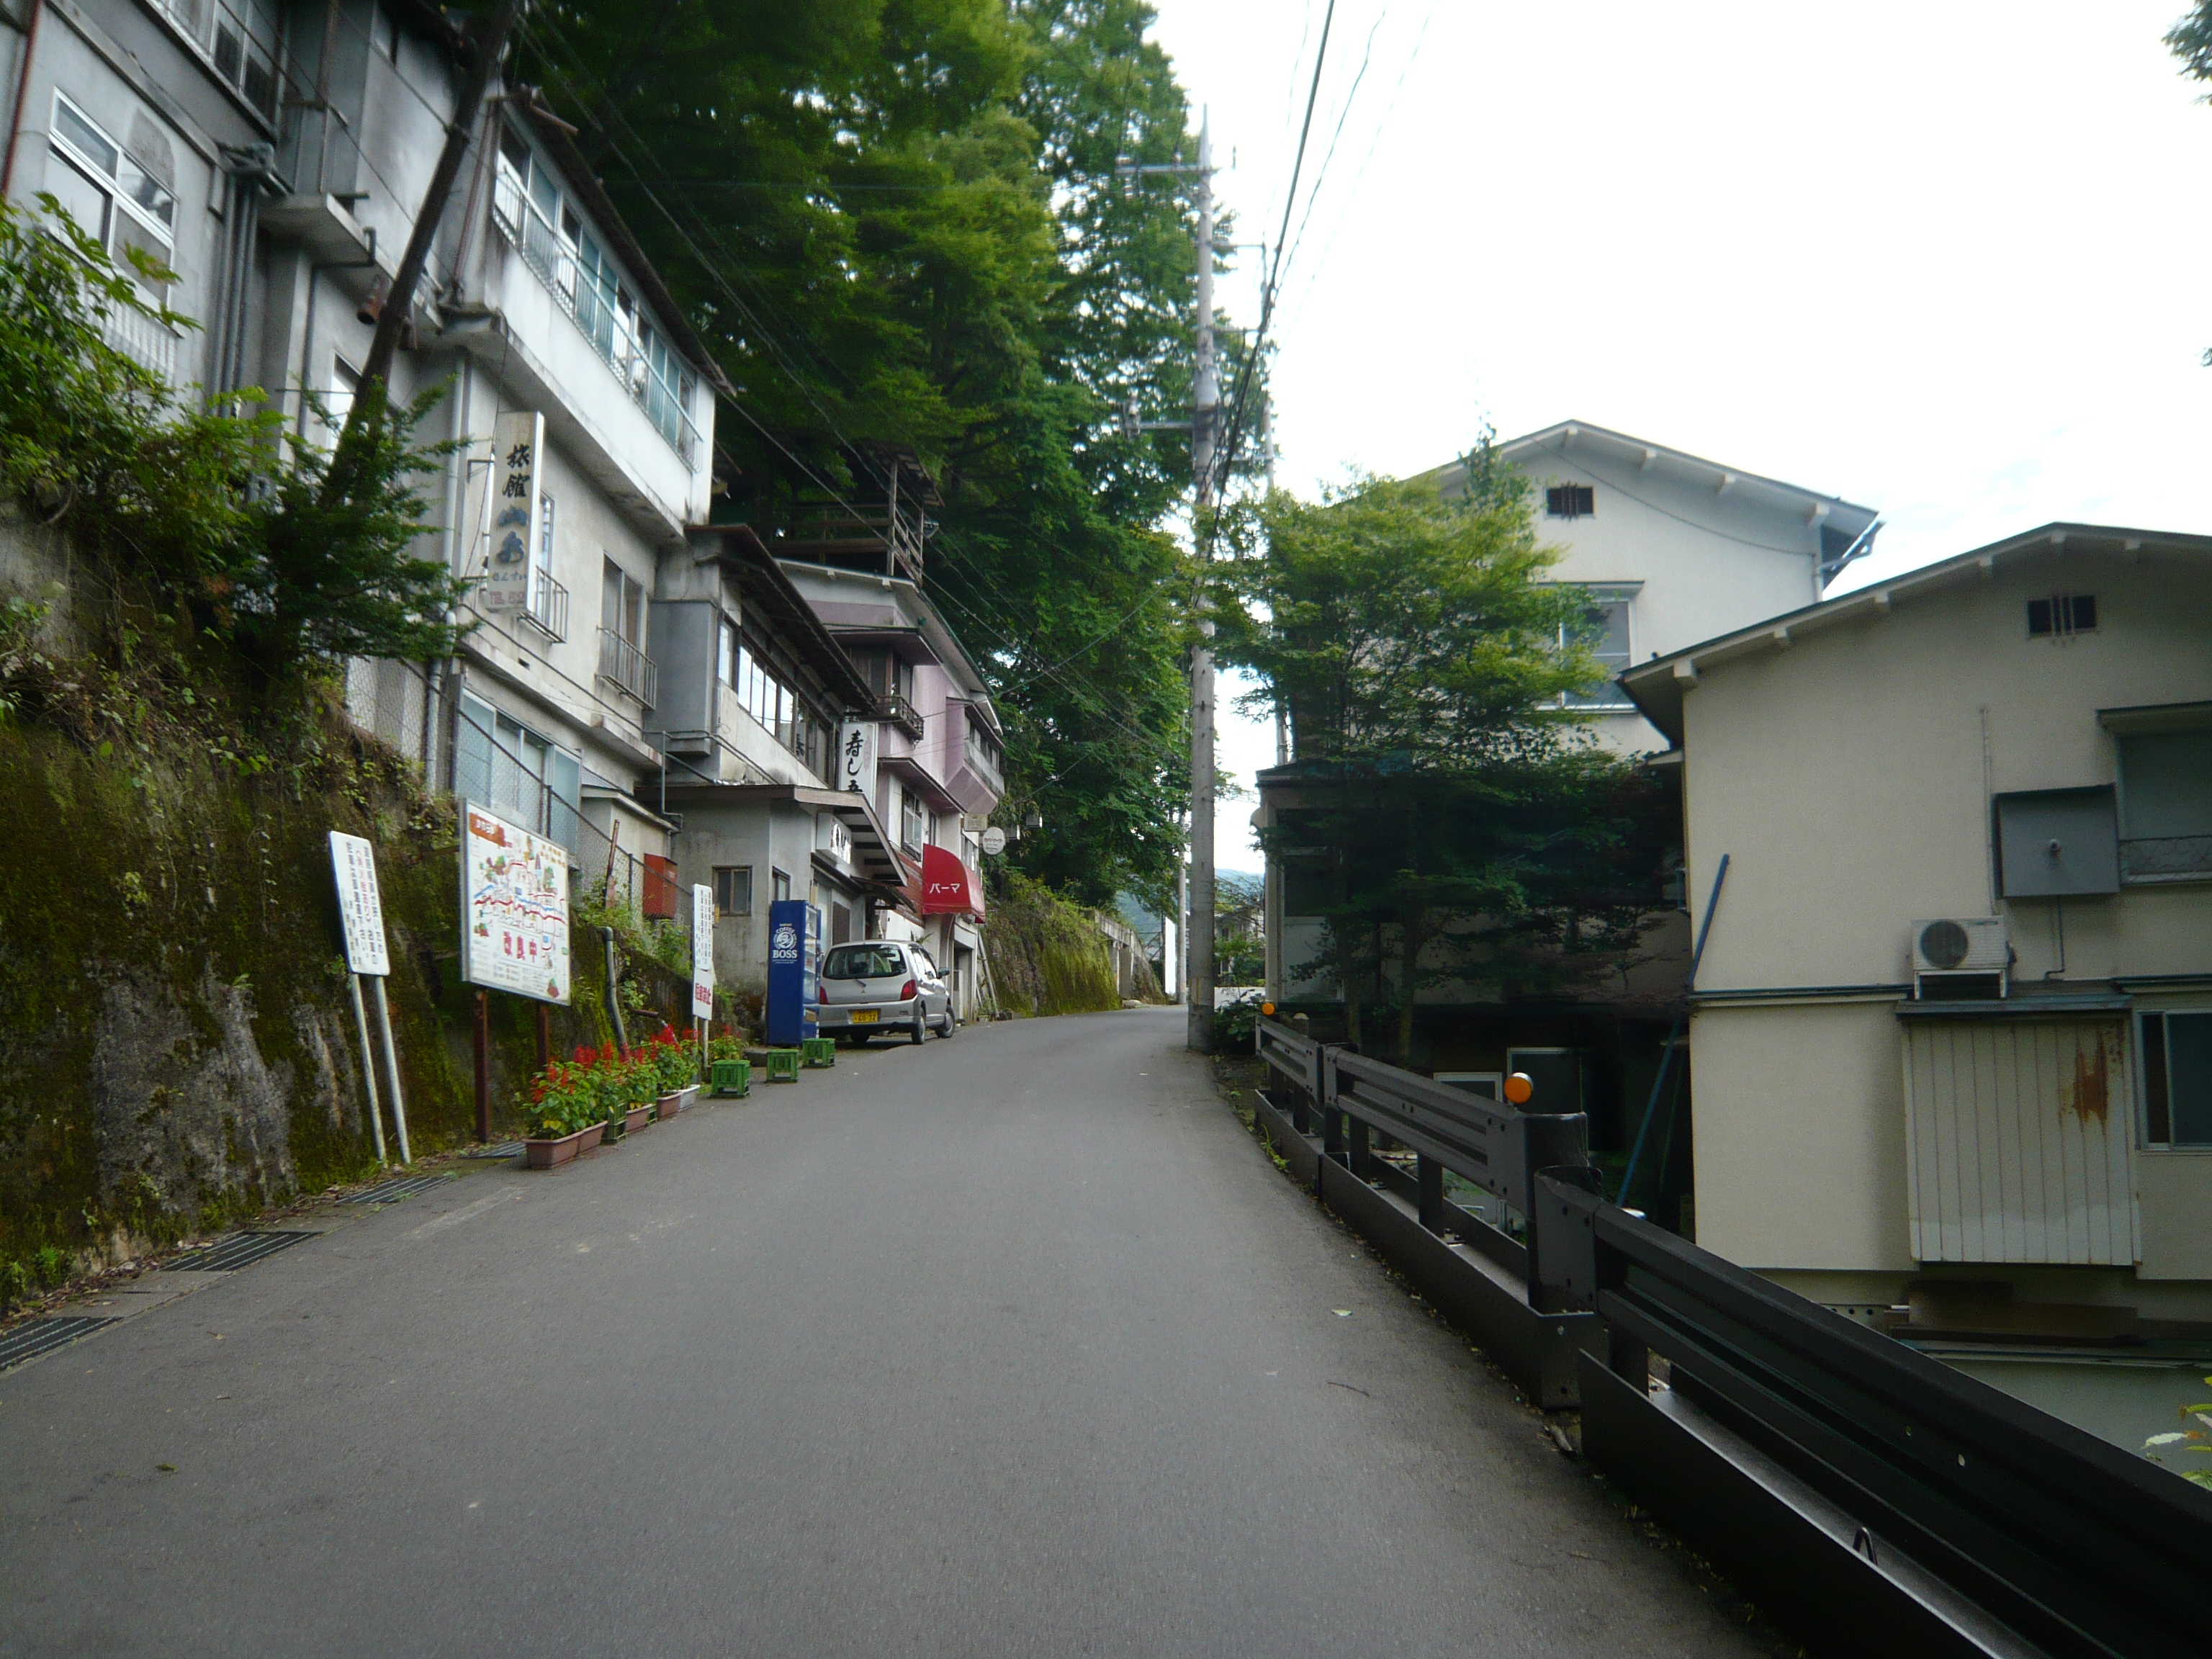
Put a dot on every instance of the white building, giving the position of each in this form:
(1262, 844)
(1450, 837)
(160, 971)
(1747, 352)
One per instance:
(1952, 1031)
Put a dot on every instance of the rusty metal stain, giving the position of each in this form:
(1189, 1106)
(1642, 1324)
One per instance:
(2091, 1095)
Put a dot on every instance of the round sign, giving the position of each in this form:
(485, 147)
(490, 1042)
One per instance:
(1518, 1088)
(995, 841)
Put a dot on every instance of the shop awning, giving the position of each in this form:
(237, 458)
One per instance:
(949, 887)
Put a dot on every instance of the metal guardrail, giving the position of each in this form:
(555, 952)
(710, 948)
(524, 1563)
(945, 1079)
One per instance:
(1962, 1506)
(622, 664)
(1868, 1496)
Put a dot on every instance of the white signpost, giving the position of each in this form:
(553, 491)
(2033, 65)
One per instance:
(514, 909)
(518, 439)
(702, 952)
(995, 841)
(361, 907)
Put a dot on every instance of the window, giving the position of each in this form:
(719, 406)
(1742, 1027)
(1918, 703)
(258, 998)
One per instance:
(2166, 805)
(887, 673)
(779, 884)
(764, 696)
(725, 653)
(913, 822)
(2177, 1048)
(1570, 501)
(1604, 633)
(733, 889)
(337, 403)
(864, 961)
(2062, 616)
(622, 605)
(124, 196)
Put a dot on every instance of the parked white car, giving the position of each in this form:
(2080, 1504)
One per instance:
(881, 987)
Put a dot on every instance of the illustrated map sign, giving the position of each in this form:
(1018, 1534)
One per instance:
(353, 860)
(514, 907)
(995, 841)
(518, 439)
(702, 952)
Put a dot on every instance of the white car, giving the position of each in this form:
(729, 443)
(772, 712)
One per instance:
(881, 986)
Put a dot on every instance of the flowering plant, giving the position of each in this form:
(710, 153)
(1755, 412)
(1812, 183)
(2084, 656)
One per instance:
(674, 1057)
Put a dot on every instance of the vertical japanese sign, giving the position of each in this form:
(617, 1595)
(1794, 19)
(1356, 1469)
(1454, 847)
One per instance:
(518, 442)
(856, 758)
(702, 952)
(353, 860)
(514, 909)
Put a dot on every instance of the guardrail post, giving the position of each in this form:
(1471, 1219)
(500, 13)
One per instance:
(1301, 1109)
(1431, 1176)
(1332, 1133)
(1362, 1158)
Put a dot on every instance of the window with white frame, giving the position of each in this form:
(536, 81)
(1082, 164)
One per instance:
(122, 195)
(1603, 631)
(913, 822)
(765, 695)
(239, 39)
(2177, 1071)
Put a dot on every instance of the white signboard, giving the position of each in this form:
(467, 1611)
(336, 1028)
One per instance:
(702, 952)
(514, 907)
(518, 440)
(995, 841)
(856, 757)
(353, 860)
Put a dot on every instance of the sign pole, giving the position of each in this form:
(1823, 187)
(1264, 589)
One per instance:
(390, 1067)
(367, 1069)
(483, 1067)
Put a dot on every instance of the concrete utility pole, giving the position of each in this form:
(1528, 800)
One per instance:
(1206, 404)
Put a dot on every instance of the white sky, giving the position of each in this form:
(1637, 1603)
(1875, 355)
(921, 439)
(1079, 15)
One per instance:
(1947, 260)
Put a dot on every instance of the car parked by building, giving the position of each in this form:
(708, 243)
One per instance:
(882, 987)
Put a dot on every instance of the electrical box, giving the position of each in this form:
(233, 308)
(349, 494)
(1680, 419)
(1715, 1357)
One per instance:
(2058, 844)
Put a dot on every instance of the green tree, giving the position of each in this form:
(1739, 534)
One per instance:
(900, 223)
(1457, 819)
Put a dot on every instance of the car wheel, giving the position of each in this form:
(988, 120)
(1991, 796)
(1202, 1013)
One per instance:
(919, 1031)
(950, 1025)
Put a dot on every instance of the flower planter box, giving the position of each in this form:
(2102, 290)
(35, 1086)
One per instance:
(550, 1154)
(636, 1117)
(679, 1100)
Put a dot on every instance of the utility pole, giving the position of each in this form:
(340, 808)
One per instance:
(1206, 404)
(1195, 881)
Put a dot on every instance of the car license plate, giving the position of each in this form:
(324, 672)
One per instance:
(865, 1016)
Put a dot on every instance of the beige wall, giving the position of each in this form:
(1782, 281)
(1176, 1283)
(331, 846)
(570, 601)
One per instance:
(1847, 776)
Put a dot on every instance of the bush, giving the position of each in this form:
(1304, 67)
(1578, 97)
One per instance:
(1233, 1026)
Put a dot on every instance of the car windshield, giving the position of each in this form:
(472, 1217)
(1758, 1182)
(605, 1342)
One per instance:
(863, 961)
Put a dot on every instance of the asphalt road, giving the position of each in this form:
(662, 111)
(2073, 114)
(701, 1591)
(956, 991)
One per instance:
(1011, 1345)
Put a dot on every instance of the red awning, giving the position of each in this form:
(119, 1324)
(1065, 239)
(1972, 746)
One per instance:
(948, 888)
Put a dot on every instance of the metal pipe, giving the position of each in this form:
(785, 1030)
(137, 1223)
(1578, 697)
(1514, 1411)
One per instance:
(391, 1065)
(614, 1003)
(22, 91)
(367, 1067)
(1675, 1031)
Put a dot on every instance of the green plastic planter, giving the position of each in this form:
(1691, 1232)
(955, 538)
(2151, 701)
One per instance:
(731, 1076)
(820, 1051)
(782, 1065)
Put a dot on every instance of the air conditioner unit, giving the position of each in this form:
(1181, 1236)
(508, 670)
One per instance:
(1959, 953)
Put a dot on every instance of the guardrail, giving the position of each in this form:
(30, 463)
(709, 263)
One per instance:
(1867, 1495)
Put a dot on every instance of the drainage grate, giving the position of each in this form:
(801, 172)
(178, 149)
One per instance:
(38, 1336)
(239, 1250)
(505, 1149)
(393, 1191)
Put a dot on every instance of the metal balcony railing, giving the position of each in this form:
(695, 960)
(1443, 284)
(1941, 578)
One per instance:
(547, 252)
(902, 714)
(548, 607)
(2167, 858)
(145, 340)
(628, 667)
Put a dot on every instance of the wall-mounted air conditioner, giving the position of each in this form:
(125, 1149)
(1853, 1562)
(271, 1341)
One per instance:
(1960, 957)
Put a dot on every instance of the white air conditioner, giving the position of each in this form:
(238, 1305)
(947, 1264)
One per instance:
(1957, 948)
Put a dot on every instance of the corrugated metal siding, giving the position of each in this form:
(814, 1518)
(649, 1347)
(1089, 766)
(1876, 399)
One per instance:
(2021, 1142)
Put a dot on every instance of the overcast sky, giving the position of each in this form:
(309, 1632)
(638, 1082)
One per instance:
(1949, 260)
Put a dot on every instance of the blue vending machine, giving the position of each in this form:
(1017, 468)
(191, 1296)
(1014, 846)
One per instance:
(794, 952)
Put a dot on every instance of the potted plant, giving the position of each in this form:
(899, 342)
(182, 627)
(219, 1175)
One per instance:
(633, 1083)
(730, 1072)
(565, 1118)
(675, 1059)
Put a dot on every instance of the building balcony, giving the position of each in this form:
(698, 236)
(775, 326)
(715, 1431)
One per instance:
(547, 608)
(897, 711)
(628, 668)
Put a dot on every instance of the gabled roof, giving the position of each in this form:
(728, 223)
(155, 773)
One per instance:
(1656, 687)
(1565, 440)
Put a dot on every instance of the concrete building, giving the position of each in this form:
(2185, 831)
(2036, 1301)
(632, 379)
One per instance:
(1953, 1032)
(1673, 548)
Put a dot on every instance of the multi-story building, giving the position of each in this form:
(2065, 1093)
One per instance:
(1953, 1029)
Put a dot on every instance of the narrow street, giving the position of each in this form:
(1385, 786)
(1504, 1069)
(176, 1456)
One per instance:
(1011, 1345)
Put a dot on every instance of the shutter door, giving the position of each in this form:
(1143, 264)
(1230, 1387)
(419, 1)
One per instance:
(2020, 1141)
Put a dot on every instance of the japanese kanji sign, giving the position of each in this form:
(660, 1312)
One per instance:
(514, 907)
(353, 860)
(702, 952)
(518, 445)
